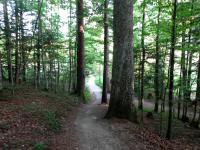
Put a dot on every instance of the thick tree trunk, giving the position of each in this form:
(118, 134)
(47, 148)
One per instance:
(106, 54)
(121, 101)
(157, 65)
(171, 71)
(80, 50)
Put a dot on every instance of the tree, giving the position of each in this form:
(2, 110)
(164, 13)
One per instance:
(121, 100)
(70, 46)
(106, 55)
(171, 69)
(143, 60)
(157, 65)
(198, 88)
(187, 71)
(1, 80)
(22, 42)
(197, 99)
(16, 42)
(80, 50)
(39, 45)
(8, 42)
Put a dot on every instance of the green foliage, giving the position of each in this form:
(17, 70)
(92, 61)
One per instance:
(52, 120)
(99, 82)
(40, 146)
(87, 95)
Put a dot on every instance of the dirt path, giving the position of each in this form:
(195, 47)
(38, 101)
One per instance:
(94, 131)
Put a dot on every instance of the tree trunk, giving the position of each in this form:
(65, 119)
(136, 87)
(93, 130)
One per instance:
(171, 73)
(197, 100)
(39, 45)
(1, 79)
(106, 54)
(182, 74)
(22, 45)
(8, 42)
(157, 66)
(80, 50)
(121, 101)
(143, 63)
(198, 88)
(70, 48)
(16, 42)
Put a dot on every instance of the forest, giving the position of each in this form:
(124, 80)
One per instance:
(99, 74)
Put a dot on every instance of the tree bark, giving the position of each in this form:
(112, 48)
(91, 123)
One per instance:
(22, 44)
(8, 42)
(121, 101)
(106, 54)
(198, 88)
(182, 75)
(70, 48)
(39, 45)
(143, 62)
(17, 42)
(197, 99)
(1, 79)
(157, 65)
(80, 50)
(171, 71)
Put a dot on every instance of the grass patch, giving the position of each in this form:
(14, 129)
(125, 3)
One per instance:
(87, 96)
(146, 110)
(40, 146)
(52, 120)
(33, 107)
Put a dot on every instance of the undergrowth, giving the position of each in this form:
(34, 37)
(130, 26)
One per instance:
(52, 120)
(40, 146)
(87, 96)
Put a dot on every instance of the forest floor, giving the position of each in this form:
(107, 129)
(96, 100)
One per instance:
(37, 120)
(40, 120)
(97, 133)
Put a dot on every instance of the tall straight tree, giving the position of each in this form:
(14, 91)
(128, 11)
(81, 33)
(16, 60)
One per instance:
(188, 71)
(38, 55)
(16, 42)
(143, 61)
(171, 69)
(1, 80)
(197, 99)
(22, 47)
(157, 65)
(121, 101)
(106, 55)
(80, 50)
(198, 87)
(8, 42)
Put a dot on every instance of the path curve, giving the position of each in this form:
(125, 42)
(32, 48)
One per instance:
(95, 132)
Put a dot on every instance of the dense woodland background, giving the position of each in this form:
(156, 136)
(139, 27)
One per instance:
(55, 44)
